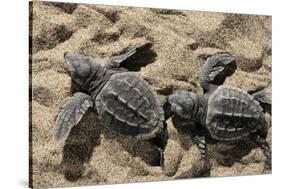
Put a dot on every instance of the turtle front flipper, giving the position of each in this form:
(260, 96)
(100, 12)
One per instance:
(264, 98)
(115, 61)
(71, 113)
(215, 70)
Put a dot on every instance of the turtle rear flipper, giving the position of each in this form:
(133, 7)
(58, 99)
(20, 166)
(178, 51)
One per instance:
(263, 144)
(160, 143)
(264, 98)
(215, 70)
(71, 113)
(200, 141)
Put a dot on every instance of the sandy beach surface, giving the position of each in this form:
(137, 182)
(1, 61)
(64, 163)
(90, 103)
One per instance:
(178, 44)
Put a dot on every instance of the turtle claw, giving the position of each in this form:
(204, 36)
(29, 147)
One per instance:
(71, 113)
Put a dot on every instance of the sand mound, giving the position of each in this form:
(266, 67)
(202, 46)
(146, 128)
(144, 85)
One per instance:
(179, 42)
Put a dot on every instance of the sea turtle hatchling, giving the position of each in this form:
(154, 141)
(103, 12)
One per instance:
(125, 102)
(226, 113)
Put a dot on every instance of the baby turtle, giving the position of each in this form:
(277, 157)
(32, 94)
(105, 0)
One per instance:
(226, 113)
(125, 102)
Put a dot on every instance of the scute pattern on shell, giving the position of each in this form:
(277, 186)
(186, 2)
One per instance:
(128, 106)
(233, 114)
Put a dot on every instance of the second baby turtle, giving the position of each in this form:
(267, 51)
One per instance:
(125, 102)
(226, 113)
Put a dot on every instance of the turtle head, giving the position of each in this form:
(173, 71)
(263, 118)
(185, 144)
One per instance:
(78, 67)
(183, 103)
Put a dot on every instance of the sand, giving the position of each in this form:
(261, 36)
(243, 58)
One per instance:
(180, 42)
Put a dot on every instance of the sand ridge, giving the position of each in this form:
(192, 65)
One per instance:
(178, 44)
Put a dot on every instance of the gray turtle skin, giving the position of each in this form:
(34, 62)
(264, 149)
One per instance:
(125, 102)
(226, 113)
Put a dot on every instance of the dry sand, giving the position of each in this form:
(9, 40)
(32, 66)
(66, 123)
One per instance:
(181, 41)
